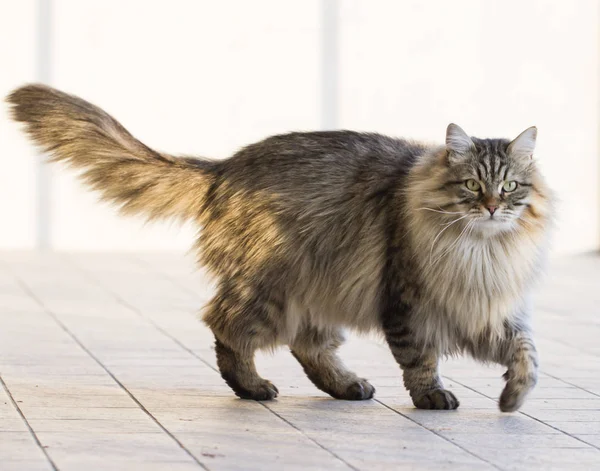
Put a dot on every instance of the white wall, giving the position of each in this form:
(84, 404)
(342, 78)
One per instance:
(17, 166)
(206, 77)
(495, 67)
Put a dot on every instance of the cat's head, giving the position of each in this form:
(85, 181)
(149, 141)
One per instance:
(492, 185)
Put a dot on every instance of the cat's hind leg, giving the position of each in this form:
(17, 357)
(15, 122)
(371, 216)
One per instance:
(244, 320)
(316, 350)
(239, 372)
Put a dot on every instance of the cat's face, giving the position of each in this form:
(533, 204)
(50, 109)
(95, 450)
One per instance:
(489, 183)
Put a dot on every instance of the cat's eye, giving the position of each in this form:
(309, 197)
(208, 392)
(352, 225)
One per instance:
(509, 186)
(473, 185)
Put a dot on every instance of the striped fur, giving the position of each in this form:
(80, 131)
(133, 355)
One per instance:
(124, 170)
(310, 233)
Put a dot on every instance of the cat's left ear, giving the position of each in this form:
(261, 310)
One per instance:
(457, 141)
(524, 144)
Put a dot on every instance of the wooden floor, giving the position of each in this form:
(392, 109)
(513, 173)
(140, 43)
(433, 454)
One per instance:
(104, 365)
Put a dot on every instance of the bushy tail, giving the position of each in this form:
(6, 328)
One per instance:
(112, 161)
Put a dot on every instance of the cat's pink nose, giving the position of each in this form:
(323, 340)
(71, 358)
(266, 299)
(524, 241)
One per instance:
(492, 209)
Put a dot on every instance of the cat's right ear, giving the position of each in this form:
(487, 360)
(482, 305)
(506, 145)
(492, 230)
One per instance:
(524, 144)
(458, 143)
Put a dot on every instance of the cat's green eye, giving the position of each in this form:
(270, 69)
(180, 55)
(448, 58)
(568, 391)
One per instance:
(509, 186)
(473, 185)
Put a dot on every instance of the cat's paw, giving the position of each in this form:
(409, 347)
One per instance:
(263, 391)
(436, 399)
(515, 391)
(357, 391)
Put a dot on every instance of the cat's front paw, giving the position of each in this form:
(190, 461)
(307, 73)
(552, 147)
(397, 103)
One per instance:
(262, 391)
(359, 391)
(436, 399)
(515, 391)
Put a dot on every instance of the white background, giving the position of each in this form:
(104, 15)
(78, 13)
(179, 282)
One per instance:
(206, 77)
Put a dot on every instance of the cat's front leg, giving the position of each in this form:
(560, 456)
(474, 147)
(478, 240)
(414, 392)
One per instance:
(420, 369)
(519, 355)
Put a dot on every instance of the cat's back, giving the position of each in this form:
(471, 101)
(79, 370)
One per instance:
(311, 159)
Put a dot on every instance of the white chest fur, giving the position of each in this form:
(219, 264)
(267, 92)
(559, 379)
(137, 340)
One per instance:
(472, 287)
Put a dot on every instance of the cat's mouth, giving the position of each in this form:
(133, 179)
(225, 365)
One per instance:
(494, 224)
(494, 220)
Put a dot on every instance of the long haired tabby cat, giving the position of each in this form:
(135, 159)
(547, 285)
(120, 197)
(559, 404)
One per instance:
(309, 233)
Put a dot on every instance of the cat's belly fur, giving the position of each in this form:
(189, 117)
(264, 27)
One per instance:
(464, 319)
(349, 298)
(444, 325)
(465, 301)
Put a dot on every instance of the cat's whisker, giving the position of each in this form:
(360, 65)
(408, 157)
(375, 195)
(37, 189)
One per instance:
(469, 225)
(441, 232)
(453, 221)
(441, 211)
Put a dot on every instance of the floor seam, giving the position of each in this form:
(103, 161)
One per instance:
(438, 434)
(572, 384)
(31, 431)
(140, 314)
(527, 415)
(195, 355)
(26, 288)
(303, 433)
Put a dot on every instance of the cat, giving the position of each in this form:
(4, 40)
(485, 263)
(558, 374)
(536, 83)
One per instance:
(309, 234)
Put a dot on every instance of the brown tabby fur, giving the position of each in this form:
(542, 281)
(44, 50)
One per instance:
(311, 233)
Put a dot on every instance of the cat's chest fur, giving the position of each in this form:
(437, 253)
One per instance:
(471, 289)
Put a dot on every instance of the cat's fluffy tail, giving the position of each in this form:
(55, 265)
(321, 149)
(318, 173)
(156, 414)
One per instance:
(125, 171)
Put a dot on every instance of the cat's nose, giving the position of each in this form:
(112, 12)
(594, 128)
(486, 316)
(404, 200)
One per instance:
(492, 209)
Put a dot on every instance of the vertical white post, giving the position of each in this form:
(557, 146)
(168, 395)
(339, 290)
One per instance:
(329, 64)
(43, 74)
